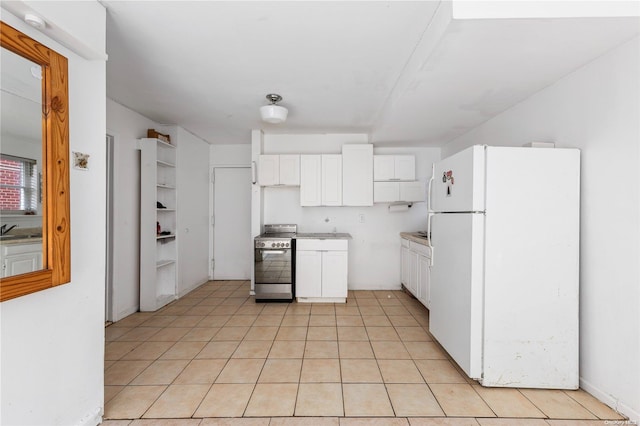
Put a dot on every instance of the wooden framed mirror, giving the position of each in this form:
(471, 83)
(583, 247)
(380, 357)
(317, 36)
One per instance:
(55, 267)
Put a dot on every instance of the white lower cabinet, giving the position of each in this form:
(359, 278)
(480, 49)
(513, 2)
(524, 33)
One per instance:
(321, 270)
(21, 258)
(416, 259)
(423, 286)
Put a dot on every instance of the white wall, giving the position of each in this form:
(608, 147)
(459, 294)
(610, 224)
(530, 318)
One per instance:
(595, 109)
(193, 209)
(230, 155)
(126, 126)
(53, 341)
(374, 251)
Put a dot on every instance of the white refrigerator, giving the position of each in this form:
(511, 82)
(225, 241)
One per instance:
(504, 226)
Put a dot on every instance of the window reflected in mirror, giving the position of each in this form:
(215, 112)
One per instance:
(21, 246)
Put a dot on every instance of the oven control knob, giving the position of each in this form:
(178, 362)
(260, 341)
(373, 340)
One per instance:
(273, 244)
(287, 244)
(279, 245)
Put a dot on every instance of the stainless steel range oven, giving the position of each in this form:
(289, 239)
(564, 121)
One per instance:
(274, 264)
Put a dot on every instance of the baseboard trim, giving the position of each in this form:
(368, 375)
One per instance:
(193, 287)
(125, 313)
(610, 400)
(92, 419)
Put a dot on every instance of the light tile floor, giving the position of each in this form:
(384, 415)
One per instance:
(215, 357)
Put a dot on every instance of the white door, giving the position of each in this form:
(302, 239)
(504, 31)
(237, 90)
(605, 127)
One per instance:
(290, 170)
(269, 170)
(334, 273)
(308, 273)
(310, 180)
(332, 180)
(455, 316)
(232, 242)
(404, 255)
(404, 167)
(458, 184)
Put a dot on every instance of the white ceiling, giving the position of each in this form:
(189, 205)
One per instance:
(405, 72)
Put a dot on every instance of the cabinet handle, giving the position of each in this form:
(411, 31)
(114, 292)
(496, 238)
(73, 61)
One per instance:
(253, 173)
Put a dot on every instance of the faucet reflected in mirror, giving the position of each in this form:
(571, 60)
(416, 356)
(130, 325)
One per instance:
(4, 230)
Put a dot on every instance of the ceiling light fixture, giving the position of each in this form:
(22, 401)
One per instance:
(274, 114)
(34, 21)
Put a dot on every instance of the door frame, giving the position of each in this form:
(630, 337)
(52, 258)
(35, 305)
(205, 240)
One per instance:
(109, 303)
(212, 191)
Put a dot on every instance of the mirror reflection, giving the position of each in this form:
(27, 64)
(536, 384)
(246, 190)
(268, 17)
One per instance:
(21, 248)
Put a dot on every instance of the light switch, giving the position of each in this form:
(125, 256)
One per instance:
(361, 218)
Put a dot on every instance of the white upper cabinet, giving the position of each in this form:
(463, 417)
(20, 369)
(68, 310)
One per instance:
(276, 170)
(394, 167)
(357, 175)
(269, 170)
(310, 180)
(321, 180)
(332, 180)
(412, 191)
(390, 192)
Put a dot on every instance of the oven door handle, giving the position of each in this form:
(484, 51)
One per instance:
(274, 251)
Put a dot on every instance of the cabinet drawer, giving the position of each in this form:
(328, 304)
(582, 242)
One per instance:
(9, 249)
(328, 244)
(420, 248)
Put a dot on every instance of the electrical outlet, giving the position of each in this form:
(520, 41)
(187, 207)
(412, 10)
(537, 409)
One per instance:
(361, 218)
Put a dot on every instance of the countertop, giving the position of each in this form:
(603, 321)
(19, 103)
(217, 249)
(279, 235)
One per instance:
(25, 240)
(22, 236)
(415, 237)
(323, 236)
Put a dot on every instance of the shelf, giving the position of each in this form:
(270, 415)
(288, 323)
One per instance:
(165, 144)
(158, 252)
(164, 262)
(165, 164)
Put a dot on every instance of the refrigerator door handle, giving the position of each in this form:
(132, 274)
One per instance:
(430, 213)
(429, 186)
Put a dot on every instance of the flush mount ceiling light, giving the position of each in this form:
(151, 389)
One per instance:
(273, 113)
(34, 21)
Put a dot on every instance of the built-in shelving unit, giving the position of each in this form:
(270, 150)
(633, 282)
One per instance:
(158, 250)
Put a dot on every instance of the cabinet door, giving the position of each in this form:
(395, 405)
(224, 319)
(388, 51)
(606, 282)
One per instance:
(423, 280)
(22, 264)
(334, 273)
(386, 192)
(308, 273)
(404, 167)
(332, 180)
(290, 170)
(269, 170)
(413, 273)
(404, 255)
(413, 191)
(383, 167)
(357, 175)
(310, 180)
